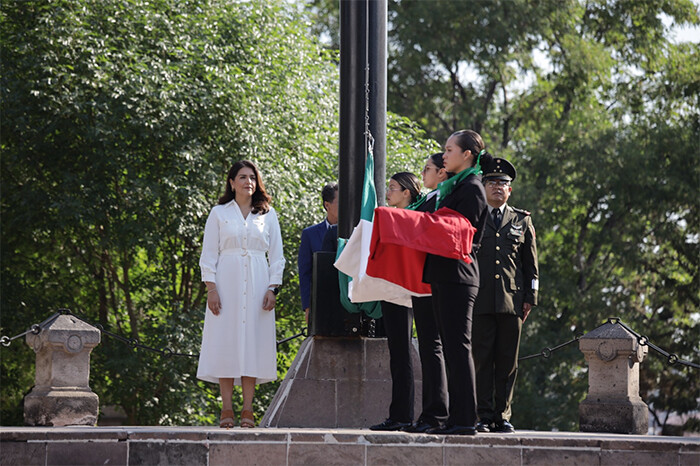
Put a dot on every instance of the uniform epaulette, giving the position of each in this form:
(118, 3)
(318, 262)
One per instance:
(521, 211)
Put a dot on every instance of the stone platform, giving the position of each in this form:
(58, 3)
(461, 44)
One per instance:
(307, 446)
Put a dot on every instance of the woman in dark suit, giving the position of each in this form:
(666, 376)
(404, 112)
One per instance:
(434, 402)
(455, 283)
(403, 190)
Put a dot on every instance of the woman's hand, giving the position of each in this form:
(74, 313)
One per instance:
(213, 302)
(269, 300)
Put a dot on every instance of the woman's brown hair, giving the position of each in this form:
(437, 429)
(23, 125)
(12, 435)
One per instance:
(261, 200)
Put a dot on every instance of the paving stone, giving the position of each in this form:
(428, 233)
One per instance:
(404, 455)
(86, 433)
(29, 454)
(687, 447)
(461, 455)
(325, 454)
(248, 435)
(22, 434)
(389, 438)
(483, 439)
(86, 453)
(259, 453)
(649, 443)
(688, 459)
(167, 453)
(641, 456)
(327, 436)
(573, 442)
(195, 436)
(561, 457)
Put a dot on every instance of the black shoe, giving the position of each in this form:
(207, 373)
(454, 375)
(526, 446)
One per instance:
(504, 427)
(484, 426)
(419, 427)
(390, 424)
(452, 430)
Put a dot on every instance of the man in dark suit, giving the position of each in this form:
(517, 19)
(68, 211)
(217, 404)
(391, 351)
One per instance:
(509, 285)
(312, 241)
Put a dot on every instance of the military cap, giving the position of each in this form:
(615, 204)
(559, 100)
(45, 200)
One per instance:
(499, 169)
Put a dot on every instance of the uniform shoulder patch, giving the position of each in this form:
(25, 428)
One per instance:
(521, 211)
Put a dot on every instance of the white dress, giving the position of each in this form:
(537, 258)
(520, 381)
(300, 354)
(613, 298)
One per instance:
(241, 340)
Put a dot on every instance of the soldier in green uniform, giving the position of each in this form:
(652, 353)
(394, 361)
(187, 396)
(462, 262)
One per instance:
(509, 282)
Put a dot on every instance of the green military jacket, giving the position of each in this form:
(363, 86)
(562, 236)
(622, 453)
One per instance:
(507, 265)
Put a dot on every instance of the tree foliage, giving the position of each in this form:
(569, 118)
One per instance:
(120, 120)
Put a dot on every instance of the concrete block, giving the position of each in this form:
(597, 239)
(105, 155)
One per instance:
(167, 453)
(561, 456)
(635, 457)
(22, 434)
(463, 455)
(85, 433)
(326, 436)
(325, 454)
(86, 453)
(688, 459)
(399, 438)
(247, 435)
(404, 455)
(29, 454)
(166, 434)
(262, 454)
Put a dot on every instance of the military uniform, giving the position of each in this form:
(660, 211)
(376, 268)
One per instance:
(509, 277)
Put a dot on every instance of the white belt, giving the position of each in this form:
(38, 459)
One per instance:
(242, 252)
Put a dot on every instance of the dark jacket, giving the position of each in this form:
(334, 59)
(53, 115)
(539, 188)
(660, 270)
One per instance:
(311, 241)
(469, 199)
(508, 265)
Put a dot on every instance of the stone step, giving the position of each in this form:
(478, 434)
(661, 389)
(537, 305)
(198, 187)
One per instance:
(310, 446)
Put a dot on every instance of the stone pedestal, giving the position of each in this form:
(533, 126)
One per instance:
(61, 395)
(337, 382)
(613, 403)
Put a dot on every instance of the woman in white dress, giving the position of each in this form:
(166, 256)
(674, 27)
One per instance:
(239, 339)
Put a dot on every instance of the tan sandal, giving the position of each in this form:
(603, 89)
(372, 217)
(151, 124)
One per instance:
(247, 419)
(227, 419)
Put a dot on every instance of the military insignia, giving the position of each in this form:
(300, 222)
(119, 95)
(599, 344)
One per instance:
(516, 230)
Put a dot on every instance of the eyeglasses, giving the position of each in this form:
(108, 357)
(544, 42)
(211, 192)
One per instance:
(389, 188)
(499, 183)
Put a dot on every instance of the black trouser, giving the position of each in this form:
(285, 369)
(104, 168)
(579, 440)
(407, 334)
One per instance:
(398, 325)
(432, 362)
(496, 343)
(453, 304)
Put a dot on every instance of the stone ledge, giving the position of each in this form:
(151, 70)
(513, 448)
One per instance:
(288, 446)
